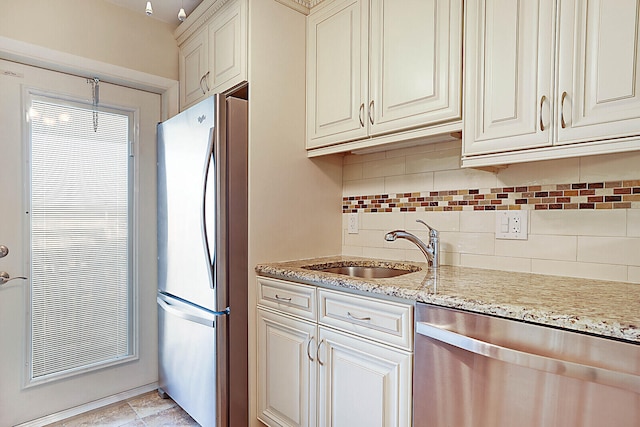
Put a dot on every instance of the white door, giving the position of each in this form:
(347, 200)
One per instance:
(508, 76)
(415, 64)
(598, 70)
(286, 370)
(362, 384)
(19, 400)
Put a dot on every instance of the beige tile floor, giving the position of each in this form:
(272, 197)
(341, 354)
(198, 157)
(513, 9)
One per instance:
(146, 410)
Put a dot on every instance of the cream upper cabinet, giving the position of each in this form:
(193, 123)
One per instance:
(509, 75)
(598, 70)
(550, 79)
(378, 68)
(337, 57)
(228, 48)
(193, 68)
(213, 59)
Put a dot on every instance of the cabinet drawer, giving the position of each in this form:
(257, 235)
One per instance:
(384, 321)
(292, 298)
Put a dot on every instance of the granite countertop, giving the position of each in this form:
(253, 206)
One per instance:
(605, 308)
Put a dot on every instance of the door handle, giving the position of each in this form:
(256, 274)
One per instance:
(318, 352)
(308, 352)
(4, 277)
(562, 122)
(544, 98)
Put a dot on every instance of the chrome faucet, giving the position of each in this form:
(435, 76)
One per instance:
(430, 251)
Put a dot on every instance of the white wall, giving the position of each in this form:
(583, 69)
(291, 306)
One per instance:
(93, 29)
(294, 203)
(601, 243)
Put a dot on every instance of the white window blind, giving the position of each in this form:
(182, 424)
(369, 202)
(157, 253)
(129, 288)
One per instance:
(80, 239)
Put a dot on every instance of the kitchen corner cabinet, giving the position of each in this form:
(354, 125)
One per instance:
(550, 79)
(323, 358)
(213, 59)
(380, 67)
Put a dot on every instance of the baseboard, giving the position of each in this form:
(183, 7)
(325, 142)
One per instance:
(90, 406)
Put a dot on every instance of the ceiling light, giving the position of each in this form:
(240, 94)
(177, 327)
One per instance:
(182, 15)
(149, 9)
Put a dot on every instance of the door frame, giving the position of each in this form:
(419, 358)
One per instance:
(54, 60)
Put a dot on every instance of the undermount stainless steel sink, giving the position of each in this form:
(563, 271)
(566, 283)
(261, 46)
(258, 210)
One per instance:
(366, 272)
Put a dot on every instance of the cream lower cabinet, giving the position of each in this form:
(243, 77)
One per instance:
(376, 68)
(362, 384)
(286, 373)
(333, 369)
(550, 79)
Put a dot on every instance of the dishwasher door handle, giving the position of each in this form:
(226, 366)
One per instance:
(529, 360)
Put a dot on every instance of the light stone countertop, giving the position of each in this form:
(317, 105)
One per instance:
(606, 308)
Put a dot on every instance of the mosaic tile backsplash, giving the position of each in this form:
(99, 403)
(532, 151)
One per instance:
(583, 213)
(592, 195)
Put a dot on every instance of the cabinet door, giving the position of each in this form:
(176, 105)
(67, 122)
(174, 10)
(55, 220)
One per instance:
(193, 67)
(337, 54)
(598, 70)
(415, 63)
(228, 48)
(286, 370)
(508, 75)
(362, 384)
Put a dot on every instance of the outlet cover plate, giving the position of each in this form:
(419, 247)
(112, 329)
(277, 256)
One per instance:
(512, 225)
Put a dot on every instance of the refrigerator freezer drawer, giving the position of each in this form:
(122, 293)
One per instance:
(187, 351)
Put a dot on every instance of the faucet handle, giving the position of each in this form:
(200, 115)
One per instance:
(432, 231)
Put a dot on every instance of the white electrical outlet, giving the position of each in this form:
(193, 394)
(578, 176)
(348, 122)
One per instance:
(352, 223)
(512, 225)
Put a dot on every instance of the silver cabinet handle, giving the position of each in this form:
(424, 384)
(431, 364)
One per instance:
(562, 122)
(308, 352)
(4, 251)
(202, 88)
(4, 277)
(371, 111)
(529, 360)
(282, 298)
(318, 353)
(360, 319)
(544, 98)
(360, 115)
(206, 81)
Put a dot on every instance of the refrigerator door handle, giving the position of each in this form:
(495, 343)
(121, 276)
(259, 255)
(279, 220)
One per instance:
(185, 312)
(217, 158)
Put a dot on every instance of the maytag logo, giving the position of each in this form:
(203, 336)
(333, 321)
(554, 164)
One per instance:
(201, 118)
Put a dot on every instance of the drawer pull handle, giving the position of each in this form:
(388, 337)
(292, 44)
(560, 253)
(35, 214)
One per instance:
(361, 319)
(282, 298)
(308, 352)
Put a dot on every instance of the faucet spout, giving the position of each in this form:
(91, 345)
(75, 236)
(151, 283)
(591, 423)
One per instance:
(431, 251)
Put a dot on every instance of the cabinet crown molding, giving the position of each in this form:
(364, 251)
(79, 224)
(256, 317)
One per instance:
(197, 19)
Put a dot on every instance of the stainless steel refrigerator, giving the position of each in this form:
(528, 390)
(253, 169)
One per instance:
(202, 261)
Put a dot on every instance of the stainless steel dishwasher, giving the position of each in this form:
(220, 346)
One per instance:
(483, 371)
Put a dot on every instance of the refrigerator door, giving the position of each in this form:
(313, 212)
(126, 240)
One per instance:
(191, 205)
(188, 351)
